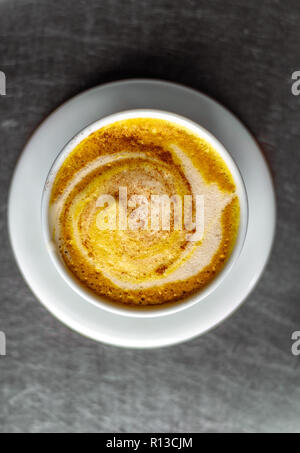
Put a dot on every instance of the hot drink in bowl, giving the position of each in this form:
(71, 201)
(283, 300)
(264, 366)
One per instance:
(144, 212)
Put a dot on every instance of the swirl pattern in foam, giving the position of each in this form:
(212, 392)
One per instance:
(140, 260)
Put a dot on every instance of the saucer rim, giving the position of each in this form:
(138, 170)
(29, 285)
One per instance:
(79, 328)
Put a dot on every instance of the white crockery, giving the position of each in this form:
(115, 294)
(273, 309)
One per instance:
(159, 310)
(28, 242)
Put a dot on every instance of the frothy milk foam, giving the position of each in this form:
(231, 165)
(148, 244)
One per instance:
(143, 265)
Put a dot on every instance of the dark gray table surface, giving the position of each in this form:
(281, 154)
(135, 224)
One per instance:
(241, 377)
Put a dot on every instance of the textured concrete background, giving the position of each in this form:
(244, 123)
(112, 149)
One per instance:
(242, 376)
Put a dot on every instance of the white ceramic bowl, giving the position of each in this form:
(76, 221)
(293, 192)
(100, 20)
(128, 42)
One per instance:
(160, 310)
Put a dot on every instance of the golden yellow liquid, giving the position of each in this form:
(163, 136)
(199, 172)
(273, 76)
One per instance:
(143, 266)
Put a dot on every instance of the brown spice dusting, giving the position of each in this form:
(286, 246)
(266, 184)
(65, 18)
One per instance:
(132, 136)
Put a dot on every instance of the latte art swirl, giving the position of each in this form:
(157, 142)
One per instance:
(122, 249)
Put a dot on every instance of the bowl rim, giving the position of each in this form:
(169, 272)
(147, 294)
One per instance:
(155, 310)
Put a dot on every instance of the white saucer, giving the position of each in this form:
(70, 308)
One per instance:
(25, 214)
